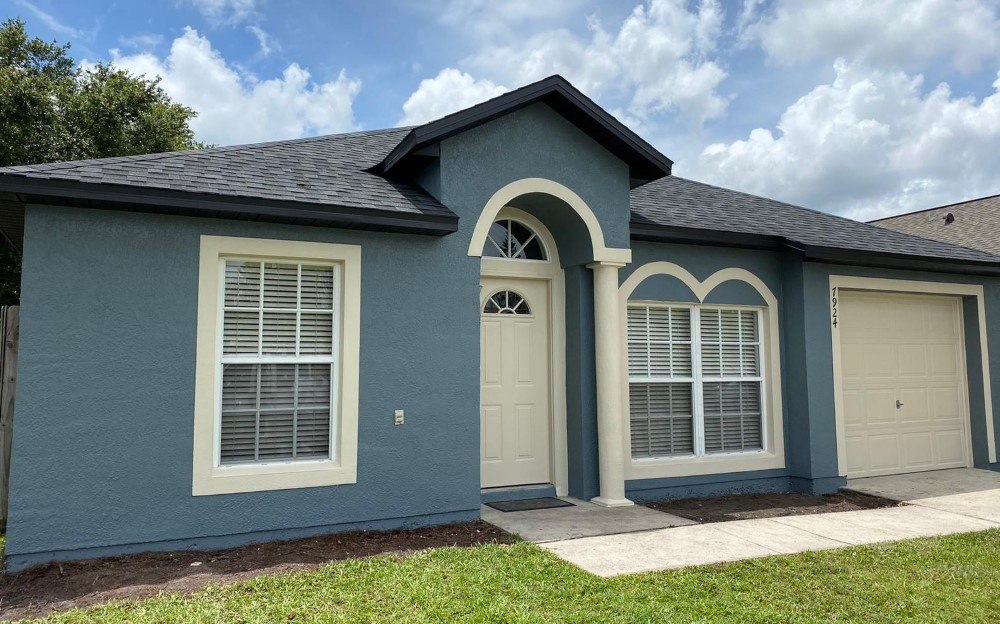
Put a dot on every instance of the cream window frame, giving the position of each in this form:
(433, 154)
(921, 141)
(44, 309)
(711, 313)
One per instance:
(209, 477)
(686, 466)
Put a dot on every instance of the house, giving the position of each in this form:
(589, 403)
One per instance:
(385, 328)
(974, 223)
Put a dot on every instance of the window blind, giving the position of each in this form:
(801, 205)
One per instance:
(729, 356)
(278, 361)
(667, 416)
(660, 383)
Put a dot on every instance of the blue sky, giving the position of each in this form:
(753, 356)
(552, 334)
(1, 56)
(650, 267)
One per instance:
(859, 108)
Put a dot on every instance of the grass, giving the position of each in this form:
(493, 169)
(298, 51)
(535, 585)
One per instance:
(950, 579)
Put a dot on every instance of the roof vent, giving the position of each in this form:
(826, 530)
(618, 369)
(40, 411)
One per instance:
(949, 219)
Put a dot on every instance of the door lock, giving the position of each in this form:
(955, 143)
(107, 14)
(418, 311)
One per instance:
(899, 404)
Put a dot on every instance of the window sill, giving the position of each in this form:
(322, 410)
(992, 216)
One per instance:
(278, 476)
(705, 465)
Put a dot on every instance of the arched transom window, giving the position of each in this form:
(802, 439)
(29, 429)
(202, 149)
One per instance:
(506, 302)
(512, 239)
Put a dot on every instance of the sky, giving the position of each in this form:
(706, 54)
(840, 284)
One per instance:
(863, 108)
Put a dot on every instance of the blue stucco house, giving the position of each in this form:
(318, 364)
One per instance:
(379, 329)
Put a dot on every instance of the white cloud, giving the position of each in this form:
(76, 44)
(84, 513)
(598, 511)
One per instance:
(51, 21)
(141, 41)
(266, 42)
(449, 91)
(883, 32)
(871, 143)
(234, 107)
(226, 11)
(658, 60)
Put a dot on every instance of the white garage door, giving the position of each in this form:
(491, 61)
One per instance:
(903, 377)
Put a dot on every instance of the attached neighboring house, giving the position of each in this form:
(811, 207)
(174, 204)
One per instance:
(382, 329)
(974, 223)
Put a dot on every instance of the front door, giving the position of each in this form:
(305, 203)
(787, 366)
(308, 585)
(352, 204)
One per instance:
(515, 406)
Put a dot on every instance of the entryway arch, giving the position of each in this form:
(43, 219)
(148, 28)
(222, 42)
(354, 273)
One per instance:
(559, 203)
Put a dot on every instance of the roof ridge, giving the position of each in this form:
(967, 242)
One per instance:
(86, 162)
(958, 203)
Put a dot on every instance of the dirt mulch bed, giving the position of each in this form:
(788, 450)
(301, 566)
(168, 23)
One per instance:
(59, 587)
(746, 506)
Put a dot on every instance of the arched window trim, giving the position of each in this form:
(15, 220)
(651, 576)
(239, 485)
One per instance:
(511, 253)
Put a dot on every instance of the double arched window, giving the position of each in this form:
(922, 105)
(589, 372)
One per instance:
(512, 239)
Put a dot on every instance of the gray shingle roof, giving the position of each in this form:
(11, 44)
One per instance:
(320, 170)
(332, 170)
(677, 202)
(976, 223)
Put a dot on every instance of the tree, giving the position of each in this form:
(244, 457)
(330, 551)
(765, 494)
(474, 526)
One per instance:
(52, 110)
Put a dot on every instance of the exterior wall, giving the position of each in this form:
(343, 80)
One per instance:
(102, 461)
(102, 456)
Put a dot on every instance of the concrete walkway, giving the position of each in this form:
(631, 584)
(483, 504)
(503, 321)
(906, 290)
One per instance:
(971, 504)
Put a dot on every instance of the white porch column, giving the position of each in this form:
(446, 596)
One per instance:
(607, 327)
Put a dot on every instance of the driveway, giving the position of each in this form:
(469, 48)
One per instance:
(936, 503)
(965, 491)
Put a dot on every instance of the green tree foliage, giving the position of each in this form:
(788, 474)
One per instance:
(52, 110)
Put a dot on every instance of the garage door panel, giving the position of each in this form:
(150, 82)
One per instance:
(949, 448)
(878, 360)
(883, 451)
(942, 320)
(947, 405)
(856, 453)
(906, 348)
(854, 407)
(917, 450)
(945, 360)
(879, 406)
(912, 360)
(909, 318)
(916, 406)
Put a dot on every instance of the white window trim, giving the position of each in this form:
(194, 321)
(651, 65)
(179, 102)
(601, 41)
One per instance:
(772, 434)
(208, 476)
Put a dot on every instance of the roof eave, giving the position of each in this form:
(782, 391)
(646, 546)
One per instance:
(145, 199)
(813, 253)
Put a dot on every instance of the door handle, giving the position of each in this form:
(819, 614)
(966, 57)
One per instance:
(899, 404)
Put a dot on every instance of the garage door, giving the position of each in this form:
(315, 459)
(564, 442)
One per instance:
(903, 379)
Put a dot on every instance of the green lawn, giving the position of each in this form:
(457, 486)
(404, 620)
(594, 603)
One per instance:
(952, 579)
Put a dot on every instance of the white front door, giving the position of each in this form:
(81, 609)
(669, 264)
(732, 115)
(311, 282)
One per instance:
(904, 383)
(515, 406)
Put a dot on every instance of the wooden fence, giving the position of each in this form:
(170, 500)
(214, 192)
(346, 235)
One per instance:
(9, 316)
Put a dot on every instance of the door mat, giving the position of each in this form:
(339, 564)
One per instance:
(530, 504)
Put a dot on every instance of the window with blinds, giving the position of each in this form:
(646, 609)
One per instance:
(279, 335)
(695, 382)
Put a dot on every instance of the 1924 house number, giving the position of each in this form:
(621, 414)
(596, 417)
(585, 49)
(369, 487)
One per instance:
(833, 306)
